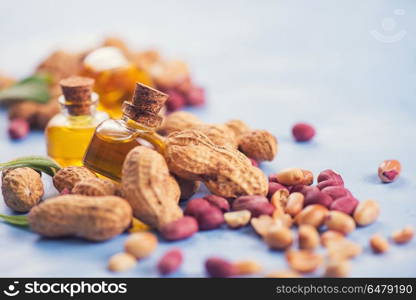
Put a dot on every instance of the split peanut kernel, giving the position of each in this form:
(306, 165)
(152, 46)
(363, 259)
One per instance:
(340, 221)
(141, 244)
(236, 219)
(308, 237)
(403, 236)
(379, 244)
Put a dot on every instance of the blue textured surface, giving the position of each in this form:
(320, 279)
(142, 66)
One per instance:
(271, 64)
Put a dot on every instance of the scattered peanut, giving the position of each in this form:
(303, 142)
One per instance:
(314, 215)
(274, 187)
(218, 267)
(307, 177)
(315, 196)
(346, 204)
(279, 237)
(379, 244)
(331, 236)
(279, 200)
(141, 244)
(303, 132)
(290, 176)
(294, 204)
(338, 268)
(144, 183)
(247, 267)
(170, 262)
(340, 221)
(403, 236)
(92, 218)
(121, 262)
(219, 202)
(264, 223)
(210, 218)
(257, 205)
(389, 170)
(329, 178)
(303, 261)
(22, 188)
(95, 187)
(308, 237)
(226, 172)
(283, 274)
(179, 229)
(68, 177)
(237, 219)
(366, 212)
(342, 249)
(260, 145)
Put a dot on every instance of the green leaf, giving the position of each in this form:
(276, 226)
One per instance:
(33, 88)
(15, 220)
(39, 163)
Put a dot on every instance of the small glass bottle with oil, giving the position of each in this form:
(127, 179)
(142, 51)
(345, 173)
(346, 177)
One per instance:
(69, 132)
(115, 78)
(113, 139)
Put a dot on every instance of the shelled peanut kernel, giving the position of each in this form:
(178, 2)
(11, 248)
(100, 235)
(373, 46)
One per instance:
(403, 236)
(379, 244)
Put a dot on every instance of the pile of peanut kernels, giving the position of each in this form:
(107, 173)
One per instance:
(224, 157)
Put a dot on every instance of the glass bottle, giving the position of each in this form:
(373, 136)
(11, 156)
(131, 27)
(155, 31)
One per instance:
(113, 139)
(69, 132)
(115, 78)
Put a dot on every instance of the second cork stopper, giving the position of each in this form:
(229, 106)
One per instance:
(145, 105)
(77, 92)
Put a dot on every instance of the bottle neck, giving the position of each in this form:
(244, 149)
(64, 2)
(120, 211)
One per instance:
(134, 125)
(72, 109)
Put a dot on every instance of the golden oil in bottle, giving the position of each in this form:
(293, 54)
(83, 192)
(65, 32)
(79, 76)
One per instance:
(113, 139)
(69, 132)
(115, 78)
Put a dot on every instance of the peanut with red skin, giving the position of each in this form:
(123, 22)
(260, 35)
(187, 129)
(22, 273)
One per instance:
(170, 261)
(218, 267)
(196, 206)
(301, 188)
(219, 202)
(307, 177)
(257, 205)
(345, 204)
(303, 132)
(180, 229)
(18, 129)
(315, 196)
(389, 170)
(329, 178)
(210, 218)
(336, 191)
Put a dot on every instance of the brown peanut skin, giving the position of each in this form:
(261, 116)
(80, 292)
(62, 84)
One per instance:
(149, 188)
(226, 172)
(22, 189)
(91, 218)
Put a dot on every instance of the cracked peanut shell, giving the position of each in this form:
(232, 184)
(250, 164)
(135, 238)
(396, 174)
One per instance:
(68, 177)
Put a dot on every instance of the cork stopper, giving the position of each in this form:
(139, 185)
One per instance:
(145, 105)
(77, 92)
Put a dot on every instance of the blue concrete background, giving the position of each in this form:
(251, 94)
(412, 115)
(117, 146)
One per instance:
(348, 67)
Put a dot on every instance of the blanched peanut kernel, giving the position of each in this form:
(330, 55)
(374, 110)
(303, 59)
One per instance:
(279, 238)
(247, 267)
(340, 221)
(236, 219)
(366, 212)
(294, 204)
(308, 237)
(141, 244)
(403, 236)
(379, 244)
(121, 262)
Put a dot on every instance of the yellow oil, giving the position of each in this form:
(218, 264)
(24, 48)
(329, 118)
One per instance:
(111, 144)
(67, 141)
(116, 85)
